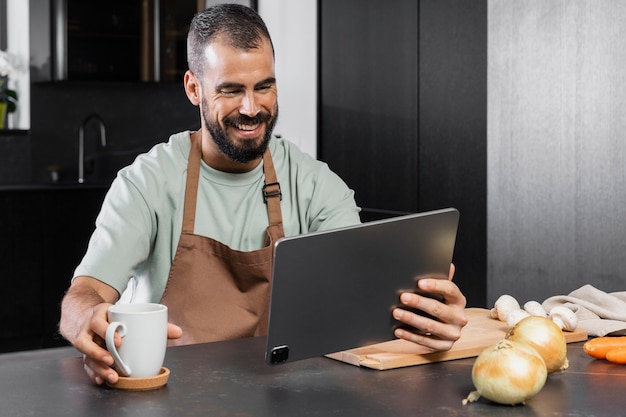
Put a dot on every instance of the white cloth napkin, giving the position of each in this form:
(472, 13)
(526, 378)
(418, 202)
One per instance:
(598, 312)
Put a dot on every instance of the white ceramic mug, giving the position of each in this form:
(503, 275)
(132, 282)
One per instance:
(143, 329)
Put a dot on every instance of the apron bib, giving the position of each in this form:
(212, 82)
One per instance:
(214, 292)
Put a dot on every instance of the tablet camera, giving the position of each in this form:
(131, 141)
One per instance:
(279, 354)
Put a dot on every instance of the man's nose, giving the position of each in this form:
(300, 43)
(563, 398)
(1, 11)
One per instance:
(249, 105)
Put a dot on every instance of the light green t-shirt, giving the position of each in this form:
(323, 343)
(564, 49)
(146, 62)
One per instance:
(139, 225)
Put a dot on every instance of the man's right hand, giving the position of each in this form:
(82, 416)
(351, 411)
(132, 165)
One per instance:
(97, 360)
(90, 342)
(84, 321)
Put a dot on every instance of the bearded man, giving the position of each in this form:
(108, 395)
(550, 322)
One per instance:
(191, 224)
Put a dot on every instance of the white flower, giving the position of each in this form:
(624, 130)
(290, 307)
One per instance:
(9, 64)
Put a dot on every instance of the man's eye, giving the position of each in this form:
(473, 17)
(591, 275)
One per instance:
(230, 92)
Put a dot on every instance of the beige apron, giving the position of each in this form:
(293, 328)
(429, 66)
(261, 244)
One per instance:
(214, 292)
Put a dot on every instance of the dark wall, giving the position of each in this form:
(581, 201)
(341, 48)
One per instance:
(369, 100)
(403, 113)
(453, 129)
(136, 115)
(14, 156)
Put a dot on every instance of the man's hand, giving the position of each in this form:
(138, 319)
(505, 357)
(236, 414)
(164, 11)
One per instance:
(440, 334)
(97, 360)
(84, 323)
(90, 342)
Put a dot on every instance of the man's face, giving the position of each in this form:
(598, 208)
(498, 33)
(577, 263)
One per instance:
(239, 99)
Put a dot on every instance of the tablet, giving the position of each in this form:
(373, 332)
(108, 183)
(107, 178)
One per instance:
(335, 290)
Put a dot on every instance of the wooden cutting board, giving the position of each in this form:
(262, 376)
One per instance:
(481, 332)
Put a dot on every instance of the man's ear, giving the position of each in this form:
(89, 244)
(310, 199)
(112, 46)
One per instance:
(192, 88)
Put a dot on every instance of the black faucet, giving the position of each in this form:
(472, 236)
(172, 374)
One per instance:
(81, 142)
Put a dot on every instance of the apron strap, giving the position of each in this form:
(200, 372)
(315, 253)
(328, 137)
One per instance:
(193, 175)
(271, 191)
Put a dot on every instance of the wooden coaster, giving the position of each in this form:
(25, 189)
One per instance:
(142, 384)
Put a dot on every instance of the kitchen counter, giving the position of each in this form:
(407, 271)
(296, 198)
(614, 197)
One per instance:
(231, 378)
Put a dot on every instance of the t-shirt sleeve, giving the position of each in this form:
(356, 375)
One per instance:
(317, 198)
(332, 202)
(122, 238)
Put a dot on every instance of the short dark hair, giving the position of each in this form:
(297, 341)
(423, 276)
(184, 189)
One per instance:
(240, 26)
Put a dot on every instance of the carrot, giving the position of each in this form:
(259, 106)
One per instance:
(600, 346)
(617, 355)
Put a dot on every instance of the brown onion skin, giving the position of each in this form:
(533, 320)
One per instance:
(545, 337)
(509, 372)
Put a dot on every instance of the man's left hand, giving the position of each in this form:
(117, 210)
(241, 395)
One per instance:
(439, 334)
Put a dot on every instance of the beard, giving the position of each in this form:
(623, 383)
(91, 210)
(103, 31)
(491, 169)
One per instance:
(246, 150)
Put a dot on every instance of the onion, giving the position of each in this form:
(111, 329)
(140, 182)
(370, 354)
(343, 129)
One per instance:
(508, 373)
(545, 337)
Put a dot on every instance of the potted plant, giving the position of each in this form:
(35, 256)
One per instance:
(9, 65)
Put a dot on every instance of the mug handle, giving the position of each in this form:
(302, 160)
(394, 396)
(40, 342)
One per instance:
(121, 368)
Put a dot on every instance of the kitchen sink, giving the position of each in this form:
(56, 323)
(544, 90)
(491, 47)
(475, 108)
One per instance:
(104, 164)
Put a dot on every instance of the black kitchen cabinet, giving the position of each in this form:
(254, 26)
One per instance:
(106, 44)
(121, 40)
(403, 113)
(43, 236)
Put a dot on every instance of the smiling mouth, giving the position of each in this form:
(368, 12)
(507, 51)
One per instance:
(247, 127)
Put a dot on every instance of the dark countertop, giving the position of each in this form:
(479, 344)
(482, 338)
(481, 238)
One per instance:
(231, 378)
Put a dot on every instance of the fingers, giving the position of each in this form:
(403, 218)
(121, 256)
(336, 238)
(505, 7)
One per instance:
(90, 342)
(99, 370)
(439, 333)
(97, 360)
(446, 325)
(446, 288)
(427, 340)
(173, 331)
(99, 323)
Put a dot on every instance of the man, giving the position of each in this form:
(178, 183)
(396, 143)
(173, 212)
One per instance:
(191, 223)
